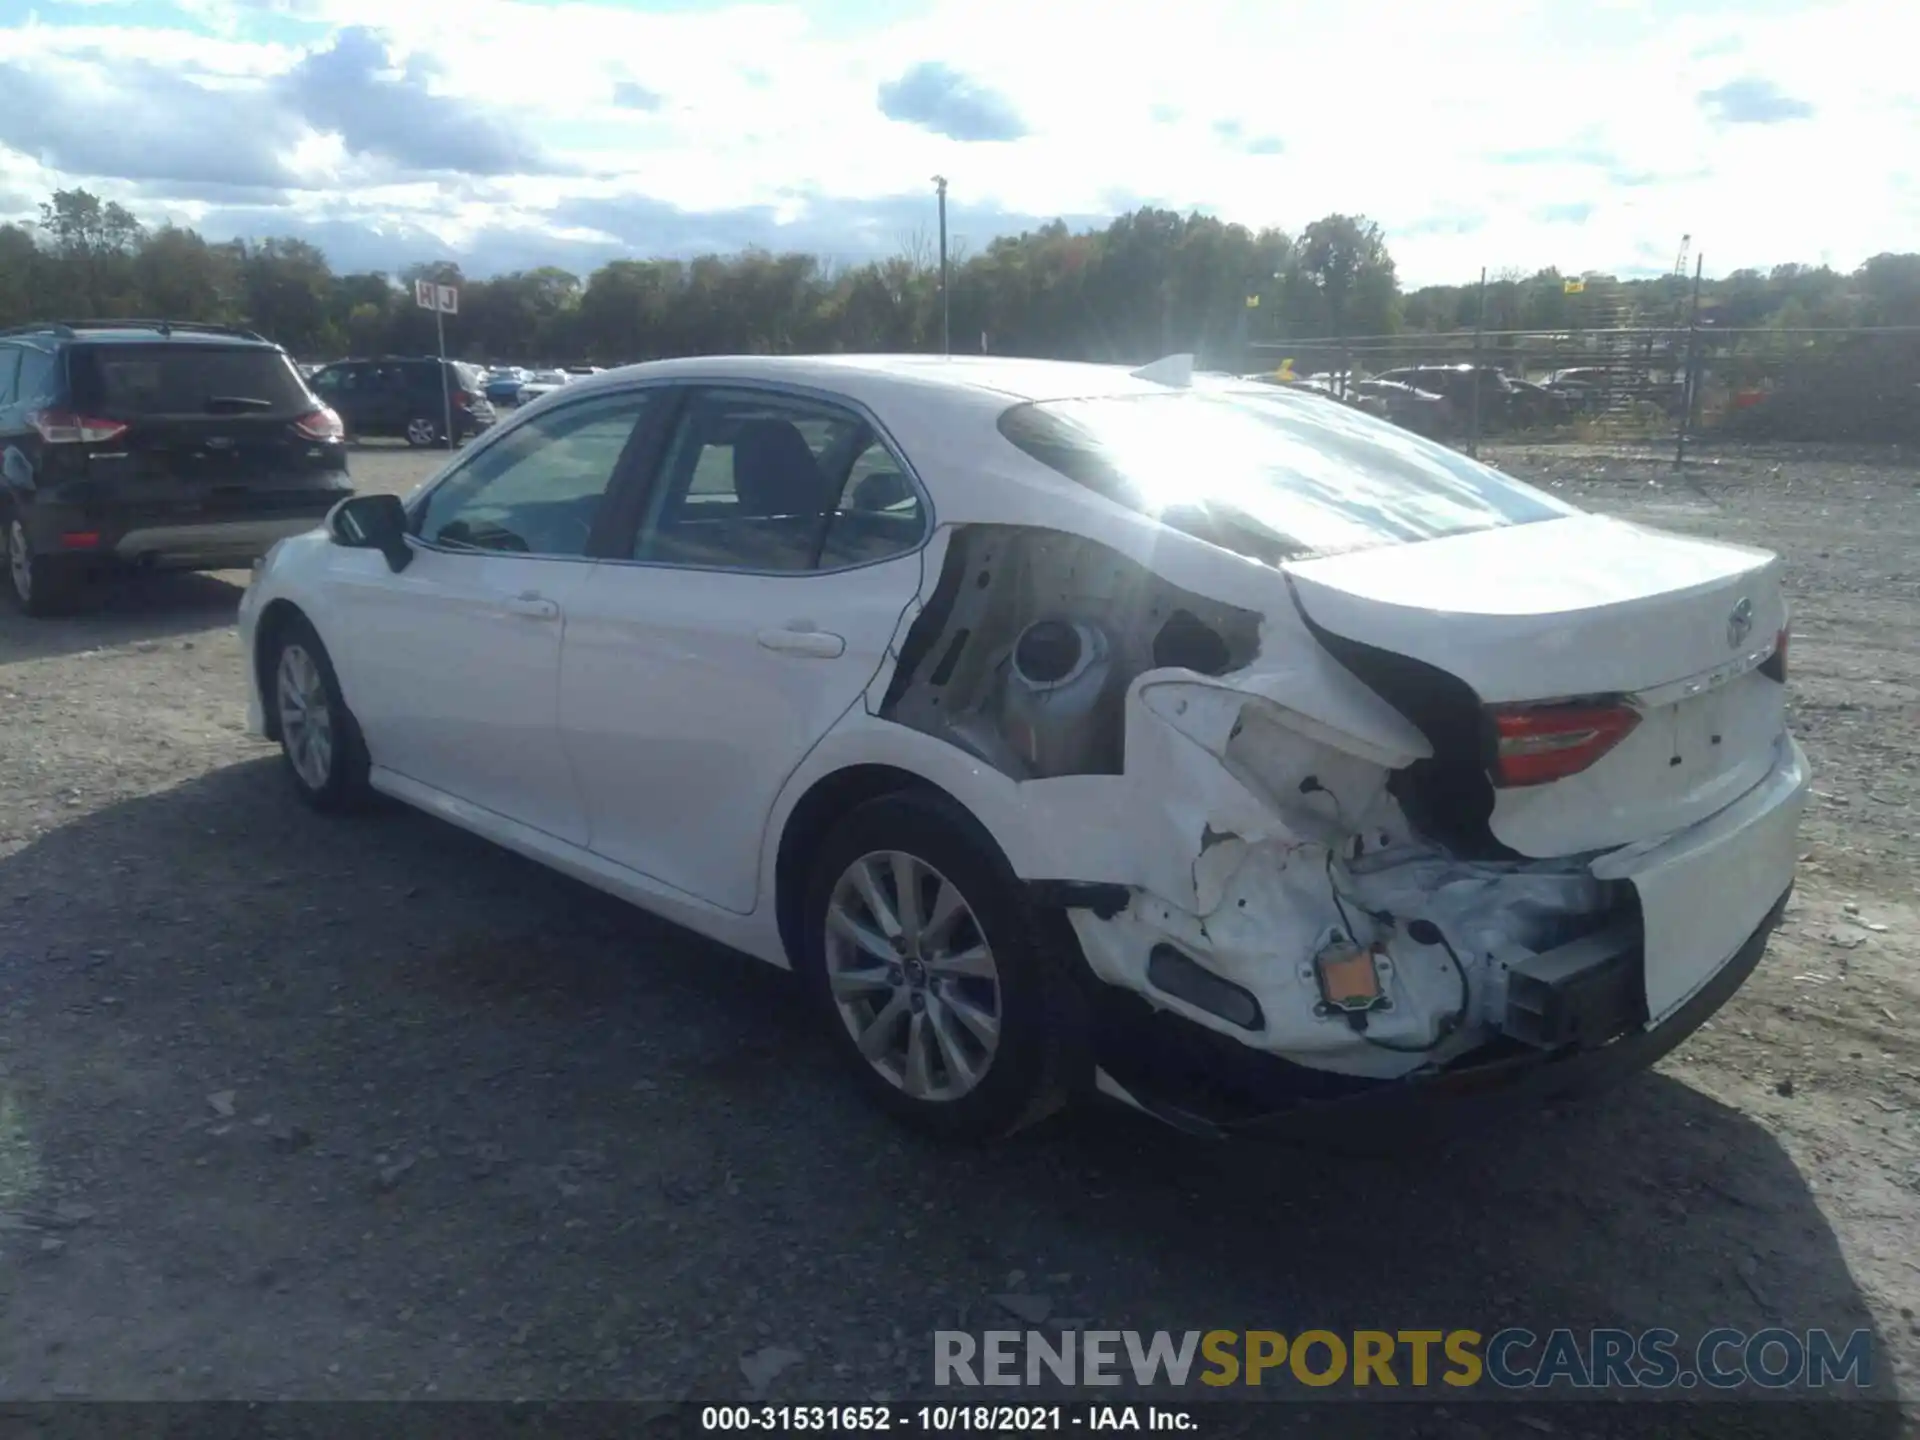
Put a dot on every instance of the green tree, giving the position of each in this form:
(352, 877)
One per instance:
(94, 241)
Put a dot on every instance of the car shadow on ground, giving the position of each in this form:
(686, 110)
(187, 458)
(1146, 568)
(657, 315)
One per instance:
(362, 1105)
(124, 609)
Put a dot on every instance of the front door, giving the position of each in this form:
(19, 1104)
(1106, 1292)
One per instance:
(452, 666)
(761, 585)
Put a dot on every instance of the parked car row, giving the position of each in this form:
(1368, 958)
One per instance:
(1441, 400)
(516, 385)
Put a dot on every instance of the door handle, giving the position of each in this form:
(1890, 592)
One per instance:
(816, 643)
(534, 607)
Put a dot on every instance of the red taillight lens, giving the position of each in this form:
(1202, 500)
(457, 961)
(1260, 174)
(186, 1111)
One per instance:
(1775, 667)
(463, 399)
(1535, 744)
(321, 424)
(61, 427)
(81, 539)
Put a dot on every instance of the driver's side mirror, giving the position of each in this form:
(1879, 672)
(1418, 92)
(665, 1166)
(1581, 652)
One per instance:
(373, 522)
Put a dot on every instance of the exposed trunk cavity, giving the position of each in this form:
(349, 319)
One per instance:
(1030, 639)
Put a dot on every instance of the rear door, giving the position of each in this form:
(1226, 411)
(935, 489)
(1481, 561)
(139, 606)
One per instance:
(205, 428)
(751, 605)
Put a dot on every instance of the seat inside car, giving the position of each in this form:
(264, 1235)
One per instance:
(774, 472)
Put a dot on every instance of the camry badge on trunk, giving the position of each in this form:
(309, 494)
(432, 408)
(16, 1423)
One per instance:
(1739, 623)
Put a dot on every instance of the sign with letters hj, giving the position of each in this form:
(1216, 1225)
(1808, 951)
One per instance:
(443, 298)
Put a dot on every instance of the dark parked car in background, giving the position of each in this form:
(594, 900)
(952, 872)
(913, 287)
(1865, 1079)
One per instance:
(1457, 383)
(153, 443)
(402, 396)
(1420, 411)
(1532, 404)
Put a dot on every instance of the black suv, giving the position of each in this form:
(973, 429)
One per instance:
(398, 395)
(153, 442)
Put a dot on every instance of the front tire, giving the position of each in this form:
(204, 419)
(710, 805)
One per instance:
(939, 983)
(319, 739)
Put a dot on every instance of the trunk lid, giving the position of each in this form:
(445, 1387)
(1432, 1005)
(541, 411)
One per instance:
(1570, 608)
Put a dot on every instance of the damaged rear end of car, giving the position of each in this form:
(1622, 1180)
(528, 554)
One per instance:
(1361, 772)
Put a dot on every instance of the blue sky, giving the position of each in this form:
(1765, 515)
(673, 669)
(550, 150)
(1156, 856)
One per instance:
(509, 133)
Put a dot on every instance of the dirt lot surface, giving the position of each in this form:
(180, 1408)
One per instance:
(311, 1108)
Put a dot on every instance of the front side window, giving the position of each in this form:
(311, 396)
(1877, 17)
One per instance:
(1268, 474)
(767, 482)
(537, 489)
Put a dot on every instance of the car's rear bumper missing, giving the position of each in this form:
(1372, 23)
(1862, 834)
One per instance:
(1201, 1082)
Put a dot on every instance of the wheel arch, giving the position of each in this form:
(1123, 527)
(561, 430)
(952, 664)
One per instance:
(272, 624)
(826, 800)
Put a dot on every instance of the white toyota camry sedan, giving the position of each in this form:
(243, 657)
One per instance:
(1072, 729)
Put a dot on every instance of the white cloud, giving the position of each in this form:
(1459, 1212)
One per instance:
(1516, 133)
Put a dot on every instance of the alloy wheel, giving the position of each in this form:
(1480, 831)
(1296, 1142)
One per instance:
(912, 975)
(421, 432)
(306, 717)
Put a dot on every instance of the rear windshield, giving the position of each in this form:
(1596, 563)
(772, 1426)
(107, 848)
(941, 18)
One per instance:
(185, 379)
(1271, 474)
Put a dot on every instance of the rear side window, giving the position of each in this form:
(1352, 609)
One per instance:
(1268, 474)
(117, 380)
(9, 372)
(777, 483)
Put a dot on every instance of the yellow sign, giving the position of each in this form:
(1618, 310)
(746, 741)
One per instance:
(1574, 287)
(1253, 302)
(1285, 372)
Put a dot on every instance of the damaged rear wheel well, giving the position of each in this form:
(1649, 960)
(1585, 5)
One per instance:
(831, 797)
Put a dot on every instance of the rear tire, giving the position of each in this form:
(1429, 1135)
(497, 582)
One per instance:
(320, 741)
(40, 585)
(422, 432)
(963, 1025)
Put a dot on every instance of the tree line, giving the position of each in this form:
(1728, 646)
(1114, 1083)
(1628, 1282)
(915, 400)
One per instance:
(1150, 283)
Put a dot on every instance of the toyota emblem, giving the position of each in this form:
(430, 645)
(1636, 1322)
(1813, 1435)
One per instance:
(1740, 623)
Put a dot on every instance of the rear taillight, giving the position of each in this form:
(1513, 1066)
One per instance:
(1536, 744)
(321, 424)
(62, 427)
(1775, 667)
(463, 399)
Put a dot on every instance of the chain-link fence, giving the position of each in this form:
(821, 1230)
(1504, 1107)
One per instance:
(1672, 385)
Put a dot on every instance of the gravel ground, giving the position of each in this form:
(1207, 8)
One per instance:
(310, 1108)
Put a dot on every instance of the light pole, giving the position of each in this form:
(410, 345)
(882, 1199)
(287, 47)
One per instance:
(946, 306)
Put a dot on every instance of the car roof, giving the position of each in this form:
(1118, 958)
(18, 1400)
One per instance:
(137, 332)
(981, 377)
